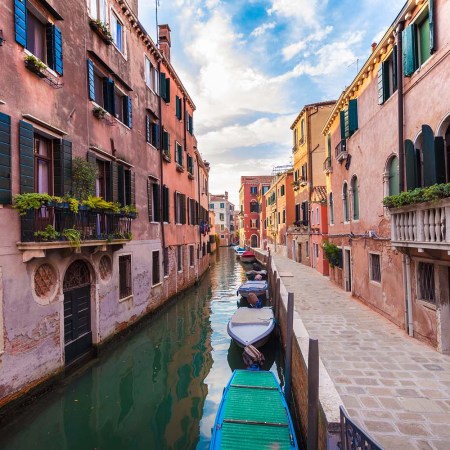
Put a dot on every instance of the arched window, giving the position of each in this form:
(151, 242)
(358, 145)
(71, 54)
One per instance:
(394, 188)
(331, 205)
(355, 198)
(345, 201)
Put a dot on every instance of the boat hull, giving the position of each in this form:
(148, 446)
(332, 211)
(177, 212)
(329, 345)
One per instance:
(248, 259)
(260, 288)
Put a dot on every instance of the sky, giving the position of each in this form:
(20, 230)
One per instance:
(251, 65)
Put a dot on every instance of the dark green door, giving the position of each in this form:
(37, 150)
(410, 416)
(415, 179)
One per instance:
(77, 311)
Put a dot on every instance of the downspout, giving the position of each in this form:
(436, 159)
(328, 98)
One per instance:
(161, 163)
(198, 212)
(408, 296)
(405, 291)
(401, 151)
(309, 174)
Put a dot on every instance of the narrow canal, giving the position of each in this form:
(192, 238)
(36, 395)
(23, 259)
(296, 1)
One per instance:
(158, 388)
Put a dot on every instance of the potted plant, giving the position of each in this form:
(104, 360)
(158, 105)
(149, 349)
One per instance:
(25, 202)
(99, 112)
(129, 211)
(102, 30)
(46, 235)
(84, 176)
(35, 65)
(73, 236)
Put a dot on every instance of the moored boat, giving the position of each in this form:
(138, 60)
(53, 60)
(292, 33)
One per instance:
(260, 288)
(253, 414)
(251, 274)
(248, 257)
(251, 326)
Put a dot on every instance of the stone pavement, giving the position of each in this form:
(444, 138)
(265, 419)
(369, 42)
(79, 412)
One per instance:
(396, 387)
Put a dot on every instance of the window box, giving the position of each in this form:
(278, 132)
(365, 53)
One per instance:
(180, 168)
(166, 155)
(190, 175)
(40, 69)
(102, 30)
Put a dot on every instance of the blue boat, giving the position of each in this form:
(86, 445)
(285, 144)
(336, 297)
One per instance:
(253, 414)
(260, 288)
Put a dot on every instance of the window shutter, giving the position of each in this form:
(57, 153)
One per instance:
(114, 182)
(26, 157)
(191, 125)
(394, 68)
(162, 85)
(167, 96)
(156, 202)
(177, 107)
(433, 151)
(165, 140)
(121, 185)
(150, 199)
(91, 80)
(155, 134)
(147, 129)
(183, 209)
(5, 159)
(342, 124)
(54, 48)
(165, 199)
(128, 111)
(409, 50)
(132, 194)
(108, 96)
(411, 166)
(175, 204)
(380, 85)
(20, 21)
(431, 19)
(352, 116)
(62, 167)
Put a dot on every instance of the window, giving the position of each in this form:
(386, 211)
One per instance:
(295, 139)
(190, 165)
(156, 278)
(349, 119)
(153, 194)
(297, 212)
(345, 202)
(425, 282)
(189, 124)
(152, 131)
(117, 31)
(418, 42)
(265, 189)
(165, 204)
(304, 173)
(302, 131)
(151, 76)
(282, 190)
(284, 216)
(211, 206)
(222, 206)
(312, 217)
(317, 216)
(331, 206)
(221, 217)
(375, 267)
(387, 77)
(36, 42)
(166, 262)
(178, 154)
(307, 249)
(253, 221)
(222, 227)
(178, 107)
(393, 187)
(125, 183)
(191, 256)
(231, 208)
(254, 207)
(179, 258)
(222, 236)
(355, 198)
(97, 10)
(278, 218)
(253, 190)
(43, 161)
(180, 208)
(125, 282)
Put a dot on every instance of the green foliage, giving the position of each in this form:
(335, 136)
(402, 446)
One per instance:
(24, 202)
(49, 234)
(99, 112)
(104, 28)
(418, 195)
(98, 203)
(73, 236)
(84, 176)
(331, 253)
(128, 235)
(30, 59)
(129, 210)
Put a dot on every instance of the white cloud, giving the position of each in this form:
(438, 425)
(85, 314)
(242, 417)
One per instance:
(258, 31)
(294, 49)
(303, 11)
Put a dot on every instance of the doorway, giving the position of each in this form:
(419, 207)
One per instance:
(347, 270)
(254, 241)
(77, 311)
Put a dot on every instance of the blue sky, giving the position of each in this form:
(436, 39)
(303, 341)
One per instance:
(251, 65)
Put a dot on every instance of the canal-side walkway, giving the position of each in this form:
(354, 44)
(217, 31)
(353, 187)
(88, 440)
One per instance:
(396, 387)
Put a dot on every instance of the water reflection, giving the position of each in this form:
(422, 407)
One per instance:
(159, 388)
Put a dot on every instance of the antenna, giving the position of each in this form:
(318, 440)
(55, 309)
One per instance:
(156, 21)
(357, 65)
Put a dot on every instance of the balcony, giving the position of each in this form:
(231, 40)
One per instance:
(341, 150)
(327, 167)
(55, 227)
(422, 225)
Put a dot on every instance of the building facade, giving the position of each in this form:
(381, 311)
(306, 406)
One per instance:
(309, 154)
(249, 228)
(373, 157)
(89, 104)
(224, 222)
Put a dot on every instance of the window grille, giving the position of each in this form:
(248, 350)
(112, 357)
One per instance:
(125, 285)
(375, 268)
(155, 268)
(425, 282)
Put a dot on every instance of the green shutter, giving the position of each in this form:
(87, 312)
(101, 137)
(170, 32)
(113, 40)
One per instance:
(162, 86)
(115, 181)
(5, 159)
(410, 63)
(121, 185)
(132, 188)
(355, 197)
(424, 41)
(433, 158)
(352, 116)
(26, 157)
(150, 199)
(62, 167)
(167, 96)
(431, 7)
(380, 81)
(342, 124)
(156, 206)
(394, 69)
(177, 107)
(394, 182)
(412, 179)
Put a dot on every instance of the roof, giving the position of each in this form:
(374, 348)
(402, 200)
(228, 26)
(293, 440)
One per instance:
(319, 194)
(311, 105)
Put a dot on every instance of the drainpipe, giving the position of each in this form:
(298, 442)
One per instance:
(161, 163)
(401, 152)
(405, 291)
(408, 295)
(198, 212)
(310, 175)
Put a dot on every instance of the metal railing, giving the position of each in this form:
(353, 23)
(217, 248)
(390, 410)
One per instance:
(327, 167)
(341, 150)
(92, 225)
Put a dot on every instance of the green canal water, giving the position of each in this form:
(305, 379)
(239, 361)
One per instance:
(157, 388)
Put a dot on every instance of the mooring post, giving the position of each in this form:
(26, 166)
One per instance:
(278, 297)
(289, 335)
(313, 395)
(272, 288)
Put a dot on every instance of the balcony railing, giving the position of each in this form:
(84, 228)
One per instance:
(327, 167)
(91, 225)
(422, 225)
(341, 150)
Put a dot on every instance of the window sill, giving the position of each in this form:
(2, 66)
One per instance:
(119, 51)
(130, 297)
(51, 71)
(152, 146)
(375, 283)
(121, 123)
(157, 284)
(180, 168)
(166, 157)
(426, 304)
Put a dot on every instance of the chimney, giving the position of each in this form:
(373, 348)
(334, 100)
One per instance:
(226, 195)
(164, 40)
(374, 46)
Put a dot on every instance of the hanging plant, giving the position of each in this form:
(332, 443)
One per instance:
(48, 234)
(84, 177)
(73, 236)
(332, 253)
